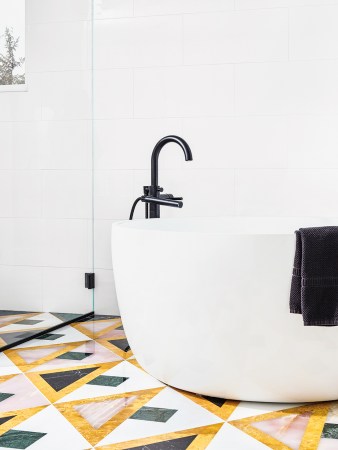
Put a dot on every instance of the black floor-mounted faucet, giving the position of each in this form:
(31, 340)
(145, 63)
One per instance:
(152, 194)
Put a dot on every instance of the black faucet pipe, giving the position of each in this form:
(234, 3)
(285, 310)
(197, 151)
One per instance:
(156, 152)
(162, 201)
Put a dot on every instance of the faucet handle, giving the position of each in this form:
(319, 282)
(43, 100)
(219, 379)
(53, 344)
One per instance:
(170, 196)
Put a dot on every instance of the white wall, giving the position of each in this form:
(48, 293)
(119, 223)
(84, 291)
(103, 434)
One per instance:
(252, 85)
(45, 165)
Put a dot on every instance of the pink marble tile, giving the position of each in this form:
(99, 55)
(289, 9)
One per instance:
(26, 395)
(98, 413)
(96, 327)
(99, 354)
(287, 429)
(113, 334)
(34, 354)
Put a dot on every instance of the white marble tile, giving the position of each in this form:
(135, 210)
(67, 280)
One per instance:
(7, 367)
(65, 243)
(137, 381)
(188, 415)
(20, 147)
(258, 4)
(297, 87)
(151, 7)
(250, 142)
(113, 93)
(67, 194)
(66, 95)
(184, 91)
(313, 32)
(59, 433)
(41, 11)
(109, 9)
(20, 241)
(25, 295)
(58, 46)
(269, 192)
(230, 437)
(64, 145)
(236, 36)
(20, 193)
(138, 42)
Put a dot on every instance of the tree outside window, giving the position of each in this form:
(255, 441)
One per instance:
(12, 42)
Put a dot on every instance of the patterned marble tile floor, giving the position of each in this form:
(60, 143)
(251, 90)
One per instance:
(17, 325)
(80, 388)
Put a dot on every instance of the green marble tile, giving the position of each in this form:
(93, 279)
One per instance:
(4, 396)
(75, 356)
(28, 322)
(330, 431)
(106, 380)
(19, 439)
(65, 317)
(50, 336)
(154, 414)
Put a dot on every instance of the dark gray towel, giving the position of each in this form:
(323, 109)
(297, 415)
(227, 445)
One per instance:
(314, 286)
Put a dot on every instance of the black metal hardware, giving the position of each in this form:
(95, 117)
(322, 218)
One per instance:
(162, 201)
(90, 280)
(152, 197)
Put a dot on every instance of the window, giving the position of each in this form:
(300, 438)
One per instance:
(12, 44)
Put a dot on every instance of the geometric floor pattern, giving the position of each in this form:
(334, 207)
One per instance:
(81, 388)
(17, 325)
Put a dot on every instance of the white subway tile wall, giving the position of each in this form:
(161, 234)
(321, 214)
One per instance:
(251, 84)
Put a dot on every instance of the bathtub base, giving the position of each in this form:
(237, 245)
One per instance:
(205, 306)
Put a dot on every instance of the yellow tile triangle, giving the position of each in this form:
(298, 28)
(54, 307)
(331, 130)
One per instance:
(95, 431)
(201, 437)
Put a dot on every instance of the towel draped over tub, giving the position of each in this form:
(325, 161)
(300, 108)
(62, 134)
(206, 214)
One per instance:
(314, 286)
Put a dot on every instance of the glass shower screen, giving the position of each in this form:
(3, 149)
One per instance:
(46, 237)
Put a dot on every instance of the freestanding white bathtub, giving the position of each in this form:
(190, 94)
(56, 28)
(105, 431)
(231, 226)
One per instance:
(204, 304)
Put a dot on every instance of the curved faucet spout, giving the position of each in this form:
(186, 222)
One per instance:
(156, 152)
